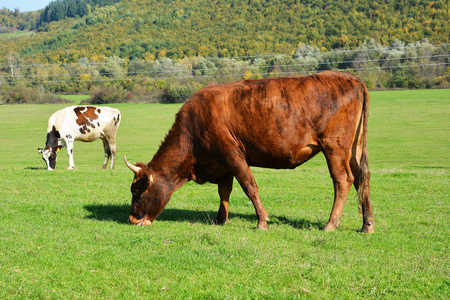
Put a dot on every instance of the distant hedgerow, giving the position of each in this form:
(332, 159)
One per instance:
(22, 94)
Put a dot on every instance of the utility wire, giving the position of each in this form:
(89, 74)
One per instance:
(229, 75)
(153, 72)
(382, 50)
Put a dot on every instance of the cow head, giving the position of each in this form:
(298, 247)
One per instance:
(52, 146)
(49, 156)
(149, 195)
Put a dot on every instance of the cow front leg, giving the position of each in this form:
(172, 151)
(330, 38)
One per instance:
(225, 188)
(69, 144)
(245, 178)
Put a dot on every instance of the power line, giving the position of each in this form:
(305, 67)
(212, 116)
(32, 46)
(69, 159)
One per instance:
(233, 68)
(232, 75)
(331, 52)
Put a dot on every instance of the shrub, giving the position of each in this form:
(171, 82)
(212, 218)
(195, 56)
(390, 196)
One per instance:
(21, 94)
(178, 94)
(107, 95)
(18, 95)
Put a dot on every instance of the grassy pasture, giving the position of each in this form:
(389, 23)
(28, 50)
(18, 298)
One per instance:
(76, 98)
(63, 234)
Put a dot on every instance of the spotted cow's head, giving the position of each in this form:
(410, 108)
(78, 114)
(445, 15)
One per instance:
(51, 148)
(49, 156)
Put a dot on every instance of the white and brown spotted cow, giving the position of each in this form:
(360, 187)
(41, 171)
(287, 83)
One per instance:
(81, 123)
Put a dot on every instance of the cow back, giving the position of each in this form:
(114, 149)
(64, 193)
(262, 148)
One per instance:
(270, 120)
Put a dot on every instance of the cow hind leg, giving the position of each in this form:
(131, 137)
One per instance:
(113, 150)
(225, 188)
(340, 171)
(109, 144)
(360, 168)
(107, 152)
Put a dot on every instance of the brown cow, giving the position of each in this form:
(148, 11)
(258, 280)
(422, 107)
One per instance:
(273, 123)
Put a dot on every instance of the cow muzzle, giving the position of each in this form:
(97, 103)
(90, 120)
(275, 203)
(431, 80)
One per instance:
(139, 222)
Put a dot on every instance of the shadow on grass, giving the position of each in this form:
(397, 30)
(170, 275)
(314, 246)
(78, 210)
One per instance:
(299, 224)
(432, 167)
(35, 168)
(108, 212)
(119, 214)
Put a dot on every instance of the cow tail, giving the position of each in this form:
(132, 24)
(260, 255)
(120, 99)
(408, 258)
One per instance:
(364, 175)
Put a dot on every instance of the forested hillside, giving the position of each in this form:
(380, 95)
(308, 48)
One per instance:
(61, 9)
(146, 47)
(11, 21)
(148, 29)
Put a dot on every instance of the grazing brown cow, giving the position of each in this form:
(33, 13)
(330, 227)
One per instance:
(273, 123)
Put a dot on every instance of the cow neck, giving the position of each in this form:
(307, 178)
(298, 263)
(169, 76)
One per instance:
(173, 160)
(52, 138)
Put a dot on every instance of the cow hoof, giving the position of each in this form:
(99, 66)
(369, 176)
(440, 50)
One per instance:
(219, 222)
(329, 227)
(262, 225)
(368, 228)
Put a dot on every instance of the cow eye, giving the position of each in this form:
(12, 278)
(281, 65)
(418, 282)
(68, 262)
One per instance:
(134, 190)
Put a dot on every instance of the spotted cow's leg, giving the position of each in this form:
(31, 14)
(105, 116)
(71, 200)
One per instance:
(109, 144)
(113, 149)
(107, 152)
(69, 139)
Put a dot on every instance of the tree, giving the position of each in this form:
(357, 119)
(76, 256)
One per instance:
(82, 8)
(58, 12)
(72, 9)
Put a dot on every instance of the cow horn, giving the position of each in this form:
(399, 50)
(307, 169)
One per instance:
(132, 167)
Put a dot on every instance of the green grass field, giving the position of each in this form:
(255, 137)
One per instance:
(63, 234)
(76, 98)
(17, 33)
